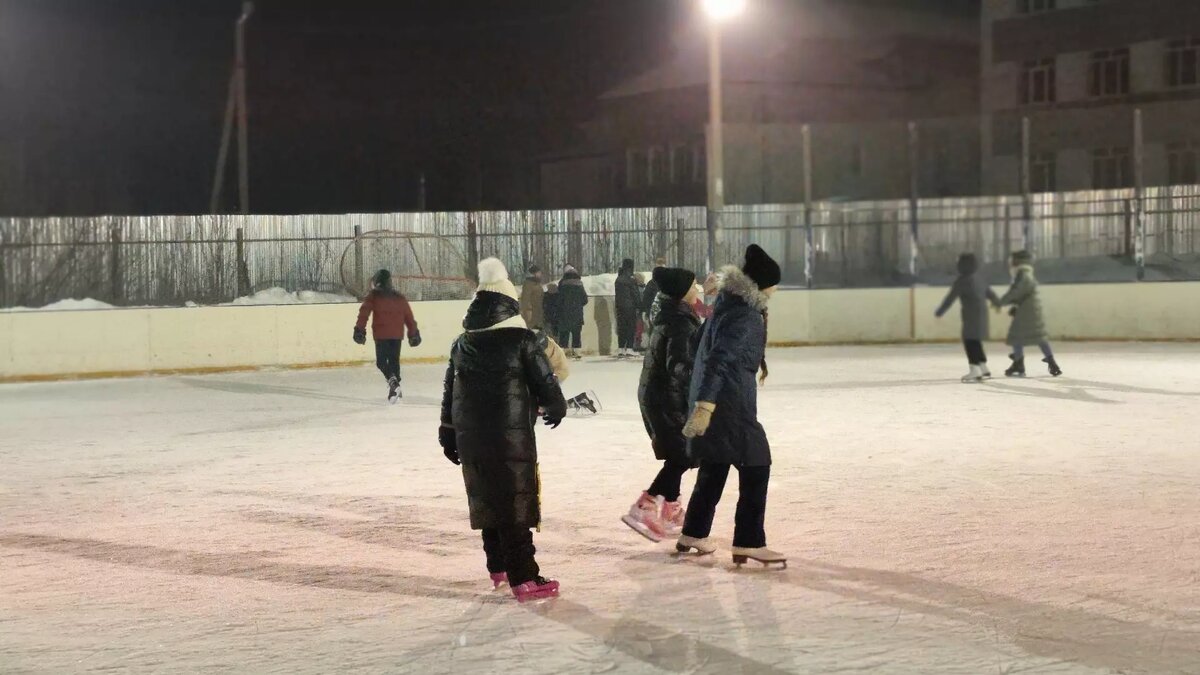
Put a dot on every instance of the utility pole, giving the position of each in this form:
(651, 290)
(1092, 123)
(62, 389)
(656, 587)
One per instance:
(243, 127)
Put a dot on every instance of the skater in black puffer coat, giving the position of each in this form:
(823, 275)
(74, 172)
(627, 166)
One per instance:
(628, 301)
(497, 380)
(663, 397)
(572, 298)
(723, 427)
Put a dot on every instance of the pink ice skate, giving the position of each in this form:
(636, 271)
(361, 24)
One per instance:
(499, 579)
(645, 517)
(672, 518)
(537, 589)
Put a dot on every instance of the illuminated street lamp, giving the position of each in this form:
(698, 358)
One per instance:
(718, 11)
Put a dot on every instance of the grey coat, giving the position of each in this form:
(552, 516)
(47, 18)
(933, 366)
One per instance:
(974, 294)
(1028, 326)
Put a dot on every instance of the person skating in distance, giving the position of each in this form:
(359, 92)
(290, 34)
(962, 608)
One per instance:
(1028, 327)
(393, 316)
(723, 428)
(628, 298)
(568, 308)
(974, 294)
(496, 383)
(663, 397)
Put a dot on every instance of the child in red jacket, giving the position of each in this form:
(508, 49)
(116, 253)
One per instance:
(393, 317)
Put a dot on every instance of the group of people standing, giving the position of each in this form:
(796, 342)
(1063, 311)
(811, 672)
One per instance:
(697, 394)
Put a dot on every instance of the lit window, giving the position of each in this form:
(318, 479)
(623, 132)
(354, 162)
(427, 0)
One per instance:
(1108, 73)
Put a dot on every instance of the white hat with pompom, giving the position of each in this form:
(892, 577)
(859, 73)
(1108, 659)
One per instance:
(493, 277)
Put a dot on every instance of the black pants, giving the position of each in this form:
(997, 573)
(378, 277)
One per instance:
(626, 329)
(511, 550)
(975, 355)
(571, 338)
(748, 521)
(666, 483)
(387, 358)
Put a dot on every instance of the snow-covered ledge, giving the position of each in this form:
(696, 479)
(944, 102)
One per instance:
(121, 342)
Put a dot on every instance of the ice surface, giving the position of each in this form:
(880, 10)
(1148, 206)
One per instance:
(295, 522)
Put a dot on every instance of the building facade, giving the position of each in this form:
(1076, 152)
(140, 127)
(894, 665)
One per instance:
(1078, 69)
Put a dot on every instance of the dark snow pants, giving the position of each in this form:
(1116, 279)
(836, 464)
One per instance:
(511, 550)
(750, 518)
(975, 353)
(666, 484)
(571, 338)
(626, 329)
(387, 358)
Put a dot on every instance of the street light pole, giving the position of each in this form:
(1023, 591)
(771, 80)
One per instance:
(242, 121)
(716, 145)
(718, 11)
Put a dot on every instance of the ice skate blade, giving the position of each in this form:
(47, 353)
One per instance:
(637, 527)
(740, 560)
(685, 550)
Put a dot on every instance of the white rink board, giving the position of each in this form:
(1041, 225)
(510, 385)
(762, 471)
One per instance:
(292, 522)
(135, 341)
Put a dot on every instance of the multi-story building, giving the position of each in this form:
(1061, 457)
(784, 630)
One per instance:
(857, 73)
(1078, 69)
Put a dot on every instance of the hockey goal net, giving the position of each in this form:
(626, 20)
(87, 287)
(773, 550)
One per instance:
(423, 266)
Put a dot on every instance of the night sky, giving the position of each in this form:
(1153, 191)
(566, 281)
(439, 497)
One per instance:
(118, 104)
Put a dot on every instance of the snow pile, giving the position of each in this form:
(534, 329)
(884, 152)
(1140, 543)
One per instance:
(280, 296)
(68, 305)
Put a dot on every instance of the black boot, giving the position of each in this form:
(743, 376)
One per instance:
(1017, 369)
(1055, 371)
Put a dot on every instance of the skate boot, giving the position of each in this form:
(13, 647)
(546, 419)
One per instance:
(584, 402)
(573, 355)
(499, 579)
(644, 518)
(539, 588)
(701, 546)
(762, 554)
(1017, 369)
(985, 373)
(1055, 371)
(973, 377)
(672, 518)
(394, 394)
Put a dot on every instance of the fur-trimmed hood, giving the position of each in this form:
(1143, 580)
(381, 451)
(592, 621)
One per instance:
(734, 281)
(1027, 269)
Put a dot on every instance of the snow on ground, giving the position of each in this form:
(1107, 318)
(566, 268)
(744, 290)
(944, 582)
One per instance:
(293, 522)
(282, 296)
(67, 305)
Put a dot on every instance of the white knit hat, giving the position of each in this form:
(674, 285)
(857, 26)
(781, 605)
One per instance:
(493, 277)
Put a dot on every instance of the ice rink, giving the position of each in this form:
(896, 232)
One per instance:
(294, 522)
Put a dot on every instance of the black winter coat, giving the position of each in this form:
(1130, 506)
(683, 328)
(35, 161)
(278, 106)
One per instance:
(497, 379)
(667, 377)
(649, 294)
(731, 349)
(629, 297)
(572, 298)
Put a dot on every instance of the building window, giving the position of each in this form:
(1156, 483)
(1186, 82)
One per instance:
(1112, 169)
(636, 169)
(660, 166)
(1037, 82)
(1108, 73)
(681, 164)
(1043, 172)
(1183, 163)
(1183, 63)
(1035, 6)
(700, 164)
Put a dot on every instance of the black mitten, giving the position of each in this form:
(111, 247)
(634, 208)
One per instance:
(1012, 312)
(449, 442)
(360, 335)
(414, 340)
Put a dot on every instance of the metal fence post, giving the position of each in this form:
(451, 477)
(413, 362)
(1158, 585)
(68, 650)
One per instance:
(681, 243)
(1139, 196)
(1026, 189)
(472, 249)
(116, 285)
(575, 245)
(809, 255)
(1128, 244)
(243, 270)
(914, 193)
(358, 259)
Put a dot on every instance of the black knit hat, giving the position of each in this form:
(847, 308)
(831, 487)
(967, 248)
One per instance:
(382, 278)
(673, 281)
(761, 268)
(627, 265)
(534, 269)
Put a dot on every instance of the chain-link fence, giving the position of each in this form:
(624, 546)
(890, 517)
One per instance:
(170, 260)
